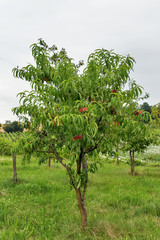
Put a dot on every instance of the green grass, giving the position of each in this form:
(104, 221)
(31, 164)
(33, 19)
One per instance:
(42, 206)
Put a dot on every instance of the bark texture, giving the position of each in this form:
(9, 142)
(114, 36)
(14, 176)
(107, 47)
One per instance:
(82, 209)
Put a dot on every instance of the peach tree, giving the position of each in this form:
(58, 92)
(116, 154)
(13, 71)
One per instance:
(72, 113)
(136, 134)
(9, 145)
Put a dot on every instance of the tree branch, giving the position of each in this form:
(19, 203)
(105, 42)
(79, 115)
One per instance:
(56, 154)
(44, 151)
(90, 149)
(79, 161)
(64, 165)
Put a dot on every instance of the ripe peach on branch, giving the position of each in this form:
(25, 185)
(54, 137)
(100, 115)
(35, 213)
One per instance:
(113, 110)
(77, 137)
(93, 100)
(136, 112)
(114, 91)
(116, 123)
(83, 109)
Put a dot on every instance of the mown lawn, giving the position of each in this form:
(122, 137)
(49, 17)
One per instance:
(42, 206)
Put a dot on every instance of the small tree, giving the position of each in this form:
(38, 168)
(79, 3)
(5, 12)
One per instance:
(136, 136)
(74, 113)
(9, 146)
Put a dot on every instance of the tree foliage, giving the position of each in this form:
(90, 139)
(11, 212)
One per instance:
(9, 143)
(156, 113)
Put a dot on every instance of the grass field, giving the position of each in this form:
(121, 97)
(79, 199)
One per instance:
(42, 206)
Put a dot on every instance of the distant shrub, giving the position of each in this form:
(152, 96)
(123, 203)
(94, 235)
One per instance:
(13, 127)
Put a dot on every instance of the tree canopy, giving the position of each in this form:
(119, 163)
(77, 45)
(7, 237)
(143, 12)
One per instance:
(74, 114)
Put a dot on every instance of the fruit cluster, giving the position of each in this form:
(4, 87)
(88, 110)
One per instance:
(77, 137)
(116, 123)
(114, 91)
(137, 112)
(93, 100)
(83, 109)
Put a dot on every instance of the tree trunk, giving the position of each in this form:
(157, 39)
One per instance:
(14, 168)
(49, 159)
(132, 162)
(117, 155)
(82, 209)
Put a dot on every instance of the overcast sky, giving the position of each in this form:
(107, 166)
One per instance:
(80, 26)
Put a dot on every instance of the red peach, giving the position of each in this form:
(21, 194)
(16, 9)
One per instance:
(112, 109)
(136, 112)
(77, 137)
(85, 109)
(116, 123)
(114, 91)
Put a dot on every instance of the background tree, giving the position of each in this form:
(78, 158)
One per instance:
(146, 107)
(9, 145)
(13, 126)
(156, 113)
(136, 136)
(74, 113)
